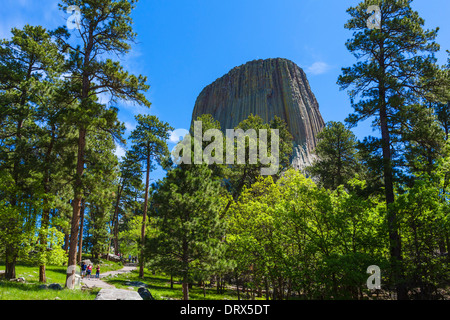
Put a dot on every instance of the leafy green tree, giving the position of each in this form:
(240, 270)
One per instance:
(292, 236)
(130, 236)
(394, 61)
(425, 222)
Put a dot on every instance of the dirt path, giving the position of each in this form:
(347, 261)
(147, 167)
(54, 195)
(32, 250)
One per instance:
(99, 283)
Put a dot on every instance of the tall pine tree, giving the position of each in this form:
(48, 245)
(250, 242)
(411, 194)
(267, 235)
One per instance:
(393, 60)
(105, 29)
(150, 148)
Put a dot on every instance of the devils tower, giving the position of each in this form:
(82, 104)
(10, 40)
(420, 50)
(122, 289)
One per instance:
(267, 88)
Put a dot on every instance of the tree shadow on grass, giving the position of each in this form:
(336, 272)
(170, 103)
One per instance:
(20, 286)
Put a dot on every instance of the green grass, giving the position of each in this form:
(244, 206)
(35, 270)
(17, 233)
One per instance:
(55, 274)
(104, 264)
(31, 291)
(159, 287)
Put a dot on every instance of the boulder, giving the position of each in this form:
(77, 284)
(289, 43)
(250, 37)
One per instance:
(145, 294)
(111, 257)
(135, 284)
(55, 286)
(117, 294)
(87, 262)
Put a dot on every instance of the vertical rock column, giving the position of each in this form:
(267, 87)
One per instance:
(267, 88)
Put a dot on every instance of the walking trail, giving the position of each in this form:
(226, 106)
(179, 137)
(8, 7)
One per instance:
(98, 283)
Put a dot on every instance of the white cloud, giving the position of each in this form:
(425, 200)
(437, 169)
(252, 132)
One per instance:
(318, 68)
(129, 126)
(120, 151)
(177, 135)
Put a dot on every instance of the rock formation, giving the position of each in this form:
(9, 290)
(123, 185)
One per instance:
(267, 88)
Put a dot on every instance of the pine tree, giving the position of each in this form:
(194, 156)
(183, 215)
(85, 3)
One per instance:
(337, 158)
(394, 60)
(105, 30)
(29, 62)
(130, 170)
(149, 146)
(187, 205)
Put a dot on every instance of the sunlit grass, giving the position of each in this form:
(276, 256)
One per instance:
(159, 287)
(31, 291)
(55, 274)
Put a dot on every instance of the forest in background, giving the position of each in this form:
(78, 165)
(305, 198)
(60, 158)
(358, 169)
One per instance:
(381, 201)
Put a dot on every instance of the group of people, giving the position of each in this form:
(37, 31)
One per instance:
(132, 259)
(86, 270)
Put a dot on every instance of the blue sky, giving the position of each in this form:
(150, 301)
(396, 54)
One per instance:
(185, 45)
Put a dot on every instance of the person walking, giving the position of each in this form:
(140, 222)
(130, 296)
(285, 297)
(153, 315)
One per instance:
(97, 272)
(83, 270)
(89, 271)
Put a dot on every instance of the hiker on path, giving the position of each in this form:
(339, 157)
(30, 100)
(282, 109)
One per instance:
(83, 270)
(97, 272)
(89, 271)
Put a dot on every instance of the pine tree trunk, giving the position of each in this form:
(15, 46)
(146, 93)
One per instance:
(144, 218)
(10, 265)
(46, 212)
(43, 239)
(76, 208)
(237, 287)
(185, 289)
(42, 276)
(394, 238)
(78, 187)
(10, 270)
(80, 243)
(66, 243)
(185, 261)
(116, 220)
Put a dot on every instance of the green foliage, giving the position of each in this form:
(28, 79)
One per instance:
(381, 201)
(394, 73)
(187, 206)
(130, 237)
(337, 158)
(53, 253)
(297, 237)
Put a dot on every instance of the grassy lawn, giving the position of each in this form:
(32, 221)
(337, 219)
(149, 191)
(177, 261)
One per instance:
(55, 274)
(31, 291)
(159, 287)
